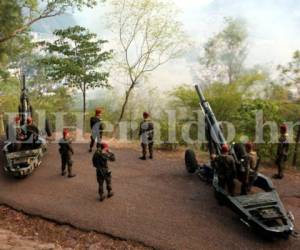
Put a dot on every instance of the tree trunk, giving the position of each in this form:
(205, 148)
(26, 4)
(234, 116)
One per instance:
(295, 157)
(1, 125)
(128, 92)
(84, 106)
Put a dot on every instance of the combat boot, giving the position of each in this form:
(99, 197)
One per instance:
(70, 174)
(102, 197)
(143, 158)
(110, 194)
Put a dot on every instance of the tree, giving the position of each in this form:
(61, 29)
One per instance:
(17, 16)
(290, 73)
(76, 59)
(225, 53)
(290, 76)
(149, 36)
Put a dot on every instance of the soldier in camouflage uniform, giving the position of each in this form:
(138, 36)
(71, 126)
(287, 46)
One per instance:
(15, 135)
(226, 169)
(66, 151)
(100, 162)
(31, 132)
(282, 151)
(146, 134)
(97, 128)
(250, 169)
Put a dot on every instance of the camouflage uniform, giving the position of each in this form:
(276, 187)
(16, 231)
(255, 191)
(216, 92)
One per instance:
(15, 135)
(282, 154)
(146, 134)
(97, 128)
(100, 159)
(66, 151)
(250, 172)
(31, 139)
(226, 171)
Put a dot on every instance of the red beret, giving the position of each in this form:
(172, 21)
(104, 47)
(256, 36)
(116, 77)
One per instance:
(224, 149)
(146, 114)
(65, 132)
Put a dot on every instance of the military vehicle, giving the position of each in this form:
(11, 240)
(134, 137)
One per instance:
(22, 162)
(261, 210)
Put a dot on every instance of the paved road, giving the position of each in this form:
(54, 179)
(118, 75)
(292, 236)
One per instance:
(156, 203)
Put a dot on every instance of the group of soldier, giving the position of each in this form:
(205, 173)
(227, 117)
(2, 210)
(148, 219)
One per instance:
(246, 172)
(224, 164)
(103, 155)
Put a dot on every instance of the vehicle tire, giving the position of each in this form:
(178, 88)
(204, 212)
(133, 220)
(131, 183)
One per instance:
(191, 163)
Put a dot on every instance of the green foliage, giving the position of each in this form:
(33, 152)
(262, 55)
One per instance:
(17, 16)
(75, 59)
(290, 73)
(9, 95)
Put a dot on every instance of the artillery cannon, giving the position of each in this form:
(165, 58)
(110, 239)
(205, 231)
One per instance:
(261, 210)
(22, 161)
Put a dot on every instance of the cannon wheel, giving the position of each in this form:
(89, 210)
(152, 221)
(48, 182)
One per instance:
(191, 163)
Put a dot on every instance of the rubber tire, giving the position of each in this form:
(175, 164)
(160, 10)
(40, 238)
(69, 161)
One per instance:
(191, 163)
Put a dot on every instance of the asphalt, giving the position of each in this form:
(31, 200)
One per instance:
(156, 202)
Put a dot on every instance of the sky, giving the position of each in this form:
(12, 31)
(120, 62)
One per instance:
(273, 26)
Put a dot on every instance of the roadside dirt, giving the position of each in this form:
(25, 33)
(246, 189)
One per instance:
(19, 231)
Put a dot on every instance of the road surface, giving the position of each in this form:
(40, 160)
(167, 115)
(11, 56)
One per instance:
(156, 202)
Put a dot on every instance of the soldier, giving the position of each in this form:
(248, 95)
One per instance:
(226, 170)
(282, 151)
(31, 133)
(14, 134)
(146, 134)
(250, 169)
(100, 158)
(97, 128)
(66, 151)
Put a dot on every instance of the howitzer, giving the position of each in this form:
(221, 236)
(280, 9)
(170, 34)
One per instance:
(23, 157)
(261, 210)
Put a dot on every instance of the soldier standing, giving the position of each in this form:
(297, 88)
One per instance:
(97, 128)
(250, 169)
(66, 151)
(146, 134)
(282, 151)
(226, 170)
(100, 162)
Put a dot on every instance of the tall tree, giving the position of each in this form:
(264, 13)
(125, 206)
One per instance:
(17, 16)
(225, 53)
(76, 59)
(290, 76)
(149, 36)
(290, 73)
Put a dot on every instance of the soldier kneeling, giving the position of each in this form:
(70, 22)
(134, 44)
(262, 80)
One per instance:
(100, 158)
